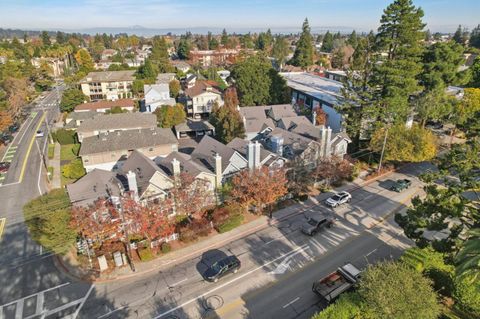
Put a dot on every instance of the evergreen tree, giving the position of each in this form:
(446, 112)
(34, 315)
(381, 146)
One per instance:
(212, 42)
(475, 37)
(327, 45)
(147, 71)
(400, 35)
(280, 50)
(60, 37)
(45, 39)
(303, 56)
(224, 38)
(183, 49)
(458, 36)
(353, 39)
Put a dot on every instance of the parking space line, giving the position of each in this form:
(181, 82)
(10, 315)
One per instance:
(291, 302)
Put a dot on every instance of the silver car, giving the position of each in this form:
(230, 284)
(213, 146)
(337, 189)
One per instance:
(338, 199)
(317, 223)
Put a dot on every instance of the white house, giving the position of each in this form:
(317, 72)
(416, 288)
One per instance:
(200, 98)
(156, 95)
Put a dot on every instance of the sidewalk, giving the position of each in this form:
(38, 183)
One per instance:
(55, 163)
(216, 241)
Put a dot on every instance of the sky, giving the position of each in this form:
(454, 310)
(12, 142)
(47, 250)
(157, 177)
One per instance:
(363, 15)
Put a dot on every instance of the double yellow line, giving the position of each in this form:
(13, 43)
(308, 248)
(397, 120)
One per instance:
(30, 147)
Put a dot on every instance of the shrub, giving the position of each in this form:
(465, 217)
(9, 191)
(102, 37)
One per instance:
(232, 222)
(166, 248)
(196, 228)
(145, 254)
(64, 137)
(467, 295)
(74, 169)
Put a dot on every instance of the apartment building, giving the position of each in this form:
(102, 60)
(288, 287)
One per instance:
(108, 85)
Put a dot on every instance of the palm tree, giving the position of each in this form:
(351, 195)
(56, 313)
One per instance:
(468, 258)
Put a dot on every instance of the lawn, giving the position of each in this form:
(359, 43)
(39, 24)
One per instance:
(51, 150)
(69, 152)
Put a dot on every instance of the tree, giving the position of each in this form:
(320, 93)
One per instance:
(174, 87)
(212, 41)
(48, 220)
(159, 55)
(169, 116)
(460, 36)
(440, 65)
(147, 71)
(327, 43)
(71, 98)
(349, 305)
(321, 117)
(403, 144)
(190, 195)
(393, 290)
(5, 120)
(338, 57)
(475, 73)
(280, 50)
(433, 105)
(257, 83)
(16, 90)
(260, 187)
(400, 35)
(303, 55)
(226, 119)
(224, 38)
(468, 258)
(45, 39)
(183, 50)
(353, 39)
(467, 295)
(475, 37)
(299, 177)
(84, 60)
(331, 170)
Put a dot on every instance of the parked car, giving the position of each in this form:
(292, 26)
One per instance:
(5, 138)
(228, 265)
(4, 166)
(13, 128)
(39, 133)
(338, 199)
(317, 223)
(400, 185)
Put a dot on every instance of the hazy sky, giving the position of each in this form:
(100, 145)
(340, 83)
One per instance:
(441, 15)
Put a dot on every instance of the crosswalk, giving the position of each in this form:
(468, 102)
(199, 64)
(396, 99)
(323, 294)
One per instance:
(7, 157)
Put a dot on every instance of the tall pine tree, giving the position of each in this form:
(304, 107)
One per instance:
(303, 56)
(400, 36)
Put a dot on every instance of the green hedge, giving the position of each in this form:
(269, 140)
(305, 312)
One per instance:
(165, 248)
(145, 254)
(74, 169)
(64, 137)
(232, 222)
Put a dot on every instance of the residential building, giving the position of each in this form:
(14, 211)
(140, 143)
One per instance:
(165, 78)
(108, 54)
(255, 120)
(256, 155)
(200, 98)
(336, 75)
(194, 129)
(110, 123)
(104, 106)
(312, 91)
(156, 95)
(109, 151)
(181, 65)
(95, 185)
(214, 57)
(189, 81)
(108, 85)
(74, 119)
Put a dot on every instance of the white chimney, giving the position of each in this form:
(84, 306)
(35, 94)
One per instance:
(218, 169)
(132, 184)
(176, 167)
(314, 117)
(257, 154)
(251, 155)
(328, 150)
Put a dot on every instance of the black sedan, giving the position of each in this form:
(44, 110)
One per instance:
(217, 270)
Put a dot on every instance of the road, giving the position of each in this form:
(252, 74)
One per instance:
(279, 263)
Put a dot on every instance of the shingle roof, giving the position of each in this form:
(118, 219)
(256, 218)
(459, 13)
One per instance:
(241, 146)
(109, 76)
(192, 125)
(127, 140)
(96, 184)
(143, 167)
(165, 78)
(201, 87)
(187, 164)
(205, 152)
(118, 122)
(295, 142)
(104, 104)
(256, 119)
(279, 111)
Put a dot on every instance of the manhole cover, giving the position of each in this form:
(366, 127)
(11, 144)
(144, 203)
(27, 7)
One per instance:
(213, 302)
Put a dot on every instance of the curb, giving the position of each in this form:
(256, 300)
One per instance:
(65, 269)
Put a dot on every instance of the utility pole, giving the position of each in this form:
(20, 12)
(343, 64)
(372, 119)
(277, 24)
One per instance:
(383, 150)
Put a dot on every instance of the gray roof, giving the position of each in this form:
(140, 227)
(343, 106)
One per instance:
(193, 126)
(143, 167)
(241, 146)
(96, 184)
(165, 78)
(256, 119)
(109, 76)
(326, 90)
(279, 111)
(127, 140)
(295, 142)
(205, 152)
(80, 116)
(187, 164)
(119, 121)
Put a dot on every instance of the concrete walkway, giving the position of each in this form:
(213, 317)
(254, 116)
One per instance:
(55, 163)
(70, 266)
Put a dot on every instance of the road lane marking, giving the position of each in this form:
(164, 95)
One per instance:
(229, 282)
(371, 252)
(30, 148)
(291, 302)
(2, 226)
(179, 282)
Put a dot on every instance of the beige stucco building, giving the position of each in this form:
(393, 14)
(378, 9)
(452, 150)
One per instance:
(108, 85)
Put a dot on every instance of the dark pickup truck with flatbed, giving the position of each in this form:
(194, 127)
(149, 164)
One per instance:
(400, 185)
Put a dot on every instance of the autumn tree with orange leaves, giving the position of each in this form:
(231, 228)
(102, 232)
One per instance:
(190, 195)
(260, 187)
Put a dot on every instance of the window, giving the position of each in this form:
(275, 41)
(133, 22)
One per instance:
(150, 149)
